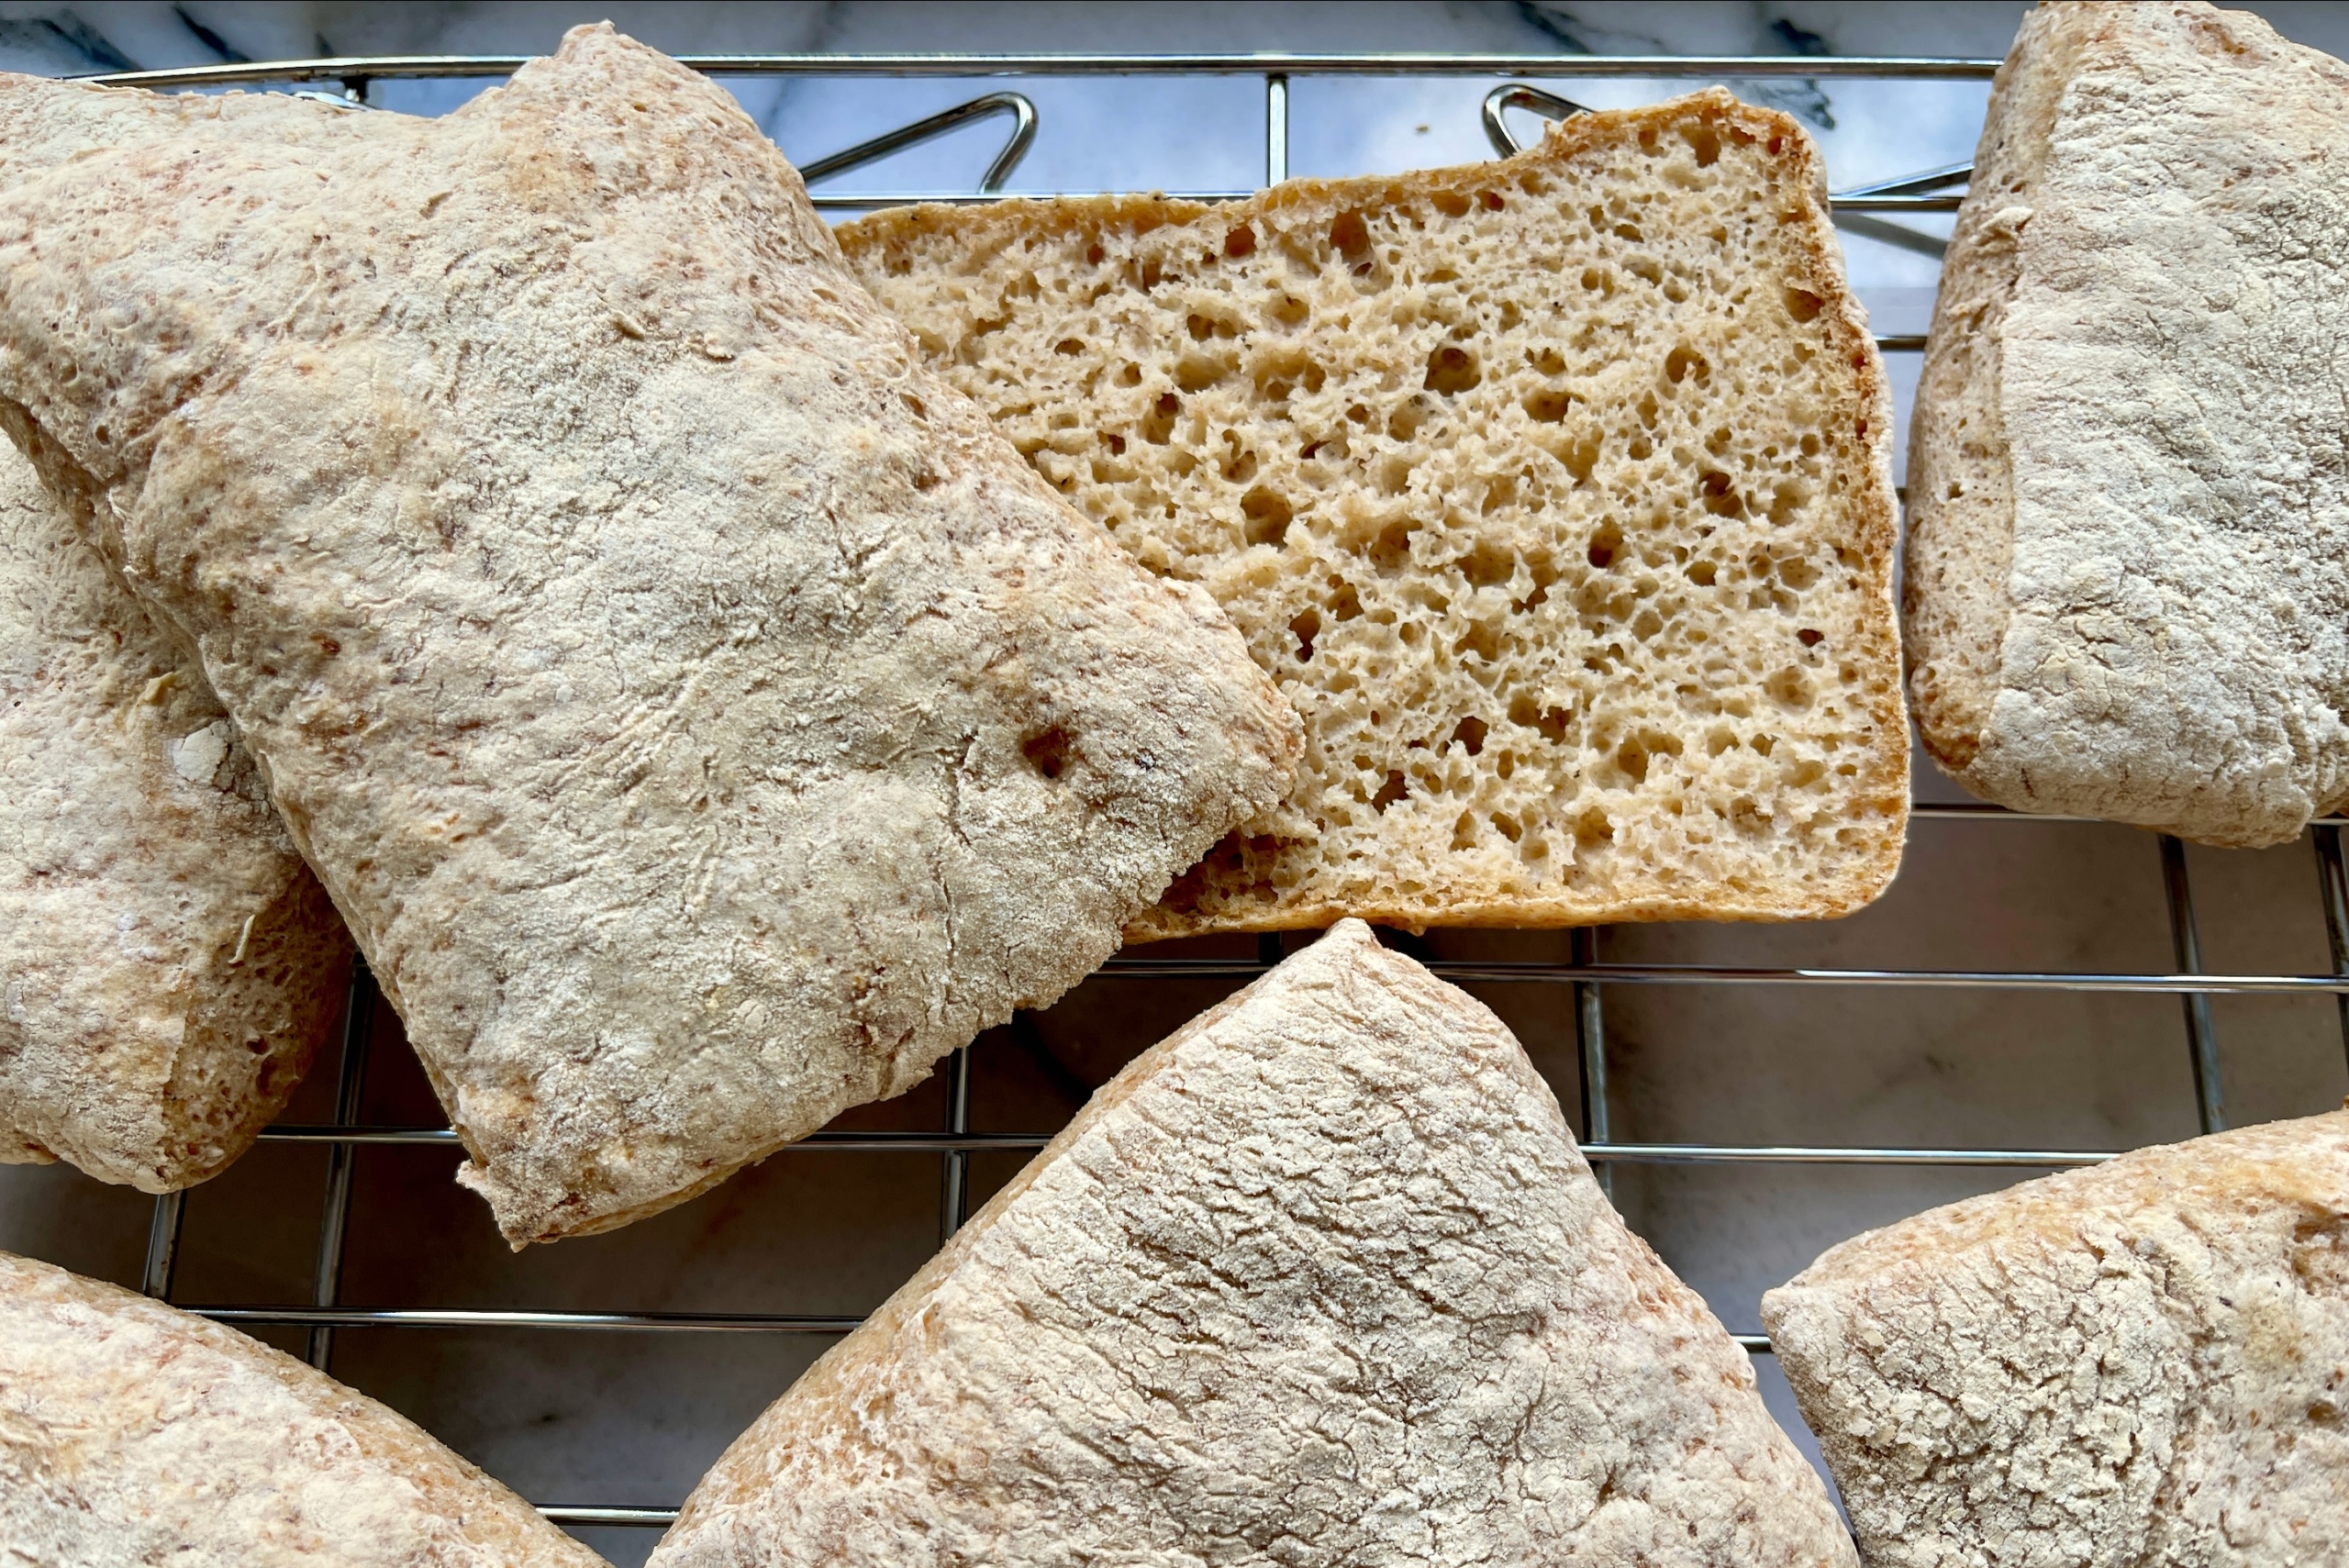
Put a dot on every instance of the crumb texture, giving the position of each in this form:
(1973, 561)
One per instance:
(706, 720)
(1320, 1279)
(168, 965)
(1554, 492)
(2125, 594)
(2142, 1362)
(131, 1433)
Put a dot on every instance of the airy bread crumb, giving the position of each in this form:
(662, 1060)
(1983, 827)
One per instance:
(1555, 493)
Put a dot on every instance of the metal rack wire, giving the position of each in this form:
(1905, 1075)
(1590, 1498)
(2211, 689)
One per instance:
(1587, 976)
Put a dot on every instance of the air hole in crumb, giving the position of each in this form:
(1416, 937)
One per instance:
(1605, 546)
(1393, 790)
(1451, 369)
(1241, 241)
(1549, 405)
(1159, 423)
(1345, 603)
(1488, 565)
(1803, 305)
(1680, 362)
(1308, 626)
(1048, 751)
(1492, 200)
(1720, 499)
(1701, 572)
(1810, 637)
(1068, 346)
(1093, 254)
(1350, 235)
(1790, 688)
(1470, 732)
(1705, 140)
(1131, 375)
(1269, 514)
(1452, 203)
(1508, 827)
(1392, 549)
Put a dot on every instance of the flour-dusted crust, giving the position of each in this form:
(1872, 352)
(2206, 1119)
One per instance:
(167, 963)
(1320, 1279)
(2146, 1362)
(1556, 492)
(131, 1433)
(704, 717)
(2127, 509)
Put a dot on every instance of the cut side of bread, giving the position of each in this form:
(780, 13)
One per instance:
(705, 718)
(2144, 1361)
(1556, 493)
(2126, 513)
(1321, 1278)
(131, 1433)
(170, 964)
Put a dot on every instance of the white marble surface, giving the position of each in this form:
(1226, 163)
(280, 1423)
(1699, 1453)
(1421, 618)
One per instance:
(589, 1416)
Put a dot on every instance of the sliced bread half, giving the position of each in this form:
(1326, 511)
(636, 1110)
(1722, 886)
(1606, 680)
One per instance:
(2126, 508)
(1554, 493)
(2145, 1362)
(1321, 1278)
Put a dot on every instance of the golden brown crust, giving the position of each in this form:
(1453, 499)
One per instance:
(1602, 810)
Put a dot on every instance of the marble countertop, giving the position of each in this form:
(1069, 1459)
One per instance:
(635, 1418)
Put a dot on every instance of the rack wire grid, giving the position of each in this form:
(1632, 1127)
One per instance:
(1584, 978)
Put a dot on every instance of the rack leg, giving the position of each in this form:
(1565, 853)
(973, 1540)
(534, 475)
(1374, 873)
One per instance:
(1590, 1039)
(1276, 127)
(2333, 882)
(163, 1244)
(954, 1198)
(2201, 1039)
(350, 1085)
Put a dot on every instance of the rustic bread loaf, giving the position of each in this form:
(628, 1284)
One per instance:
(1556, 493)
(1319, 1279)
(2126, 515)
(168, 963)
(704, 717)
(131, 1433)
(2144, 1361)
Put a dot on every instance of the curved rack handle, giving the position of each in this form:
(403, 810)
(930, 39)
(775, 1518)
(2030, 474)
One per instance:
(1520, 96)
(1023, 136)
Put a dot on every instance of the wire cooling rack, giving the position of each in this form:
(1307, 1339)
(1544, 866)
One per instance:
(1587, 978)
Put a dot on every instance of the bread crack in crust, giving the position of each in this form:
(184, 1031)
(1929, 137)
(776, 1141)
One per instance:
(705, 718)
(1554, 493)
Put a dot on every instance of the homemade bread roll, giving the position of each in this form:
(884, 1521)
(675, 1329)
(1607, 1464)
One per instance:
(131, 1433)
(2145, 1362)
(2127, 514)
(1554, 493)
(705, 718)
(167, 963)
(1319, 1279)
